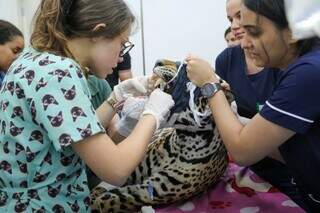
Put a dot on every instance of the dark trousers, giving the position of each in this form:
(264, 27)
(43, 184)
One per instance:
(93, 179)
(277, 174)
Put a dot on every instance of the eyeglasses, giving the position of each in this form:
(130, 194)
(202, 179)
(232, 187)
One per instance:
(126, 47)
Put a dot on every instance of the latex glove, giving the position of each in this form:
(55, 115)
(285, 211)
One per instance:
(158, 105)
(133, 87)
(130, 114)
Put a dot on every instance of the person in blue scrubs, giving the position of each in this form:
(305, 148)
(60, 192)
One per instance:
(11, 44)
(252, 86)
(288, 126)
(251, 90)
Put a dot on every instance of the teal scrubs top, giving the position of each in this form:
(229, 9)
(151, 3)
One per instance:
(45, 105)
(100, 90)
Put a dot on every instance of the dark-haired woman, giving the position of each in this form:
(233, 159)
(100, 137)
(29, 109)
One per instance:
(11, 44)
(49, 129)
(289, 121)
(252, 86)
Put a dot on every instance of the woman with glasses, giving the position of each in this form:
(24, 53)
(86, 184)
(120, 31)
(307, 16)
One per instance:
(126, 47)
(288, 126)
(49, 129)
(99, 88)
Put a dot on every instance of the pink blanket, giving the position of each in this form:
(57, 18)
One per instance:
(240, 190)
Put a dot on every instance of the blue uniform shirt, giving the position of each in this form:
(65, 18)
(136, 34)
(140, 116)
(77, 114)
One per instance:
(249, 90)
(295, 105)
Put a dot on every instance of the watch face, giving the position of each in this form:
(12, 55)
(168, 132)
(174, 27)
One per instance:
(208, 90)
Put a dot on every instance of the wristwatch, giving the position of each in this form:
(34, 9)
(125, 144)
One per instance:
(209, 89)
(112, 101)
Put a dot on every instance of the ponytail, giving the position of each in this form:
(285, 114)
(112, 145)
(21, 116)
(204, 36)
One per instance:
(57, 21)
(49, 33)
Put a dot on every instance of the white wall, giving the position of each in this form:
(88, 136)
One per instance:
(10, 11)
(172, 28)
(29, 8)
(20, 13)
(136, 53)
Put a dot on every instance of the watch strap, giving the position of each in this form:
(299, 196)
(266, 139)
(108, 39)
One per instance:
(210, 89)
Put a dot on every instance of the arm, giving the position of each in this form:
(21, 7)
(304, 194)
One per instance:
(247, 144)
(122, 125)
(114, 163)
(105, 113)
(113, 131)
(252, 142)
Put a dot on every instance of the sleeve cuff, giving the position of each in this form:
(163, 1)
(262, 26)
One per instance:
(285, 119)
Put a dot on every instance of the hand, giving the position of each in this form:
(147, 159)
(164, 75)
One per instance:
(158, 105)
(131, 88)
(130, 114)
(225, 86)
(199, 71)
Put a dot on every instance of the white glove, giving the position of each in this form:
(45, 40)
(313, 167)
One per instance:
(158, 105)
(130, 114)
(131, 88)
